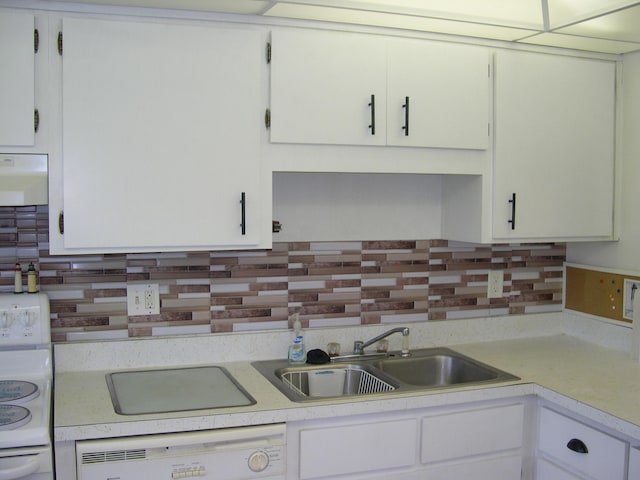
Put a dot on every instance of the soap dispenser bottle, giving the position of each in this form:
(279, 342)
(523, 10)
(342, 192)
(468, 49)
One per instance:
(297, 350)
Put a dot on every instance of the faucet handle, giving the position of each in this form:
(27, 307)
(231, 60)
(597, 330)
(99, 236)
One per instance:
(405, 344)
(357, 346)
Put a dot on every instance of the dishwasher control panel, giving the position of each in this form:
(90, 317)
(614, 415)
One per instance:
(229, 454)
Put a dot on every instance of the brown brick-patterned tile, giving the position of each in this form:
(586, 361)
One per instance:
(374, 280)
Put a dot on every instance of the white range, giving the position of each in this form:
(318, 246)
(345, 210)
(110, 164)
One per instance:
(25, 387)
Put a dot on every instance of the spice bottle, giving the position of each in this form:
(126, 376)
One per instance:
(32, 279)
(17, 279)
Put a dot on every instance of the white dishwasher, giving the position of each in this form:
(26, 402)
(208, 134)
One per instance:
(241, 453)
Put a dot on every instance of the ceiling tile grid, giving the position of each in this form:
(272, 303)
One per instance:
(606, 26)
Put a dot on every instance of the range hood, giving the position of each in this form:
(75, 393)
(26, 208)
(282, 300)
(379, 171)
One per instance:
(23, 179)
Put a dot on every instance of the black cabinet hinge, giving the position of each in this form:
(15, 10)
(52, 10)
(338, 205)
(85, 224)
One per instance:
(36, 40)
(61, 222)
(36, 120)
(268, 52)
(60, 43)
(267, 118)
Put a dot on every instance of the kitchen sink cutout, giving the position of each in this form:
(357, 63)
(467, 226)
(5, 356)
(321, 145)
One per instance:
(175, 390)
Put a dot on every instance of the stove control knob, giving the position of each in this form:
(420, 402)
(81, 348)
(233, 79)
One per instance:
(31, 318)
(5, 320)
(258, 461)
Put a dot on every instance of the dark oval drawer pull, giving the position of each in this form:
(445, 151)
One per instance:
(577, 446)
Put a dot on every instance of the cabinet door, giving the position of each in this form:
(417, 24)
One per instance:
(17, 85)
(475, 432)
(502, 468)
(554, 147)
(161, 132)
(327, 88)
(600, 457)
(548, 471)
(447, 90)
(634, 463)
(372, 448)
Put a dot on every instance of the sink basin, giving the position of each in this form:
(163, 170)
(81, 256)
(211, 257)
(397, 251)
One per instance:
(309, 382)
(335, 380)
(438, 370)
(425, 369)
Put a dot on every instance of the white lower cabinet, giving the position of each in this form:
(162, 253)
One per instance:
(371, 448)
(574, 450)
(515, 438)
(475, 441)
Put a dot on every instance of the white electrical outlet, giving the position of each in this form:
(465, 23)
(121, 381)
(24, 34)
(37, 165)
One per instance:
(495, 283)
(631, 290)
(143, 299)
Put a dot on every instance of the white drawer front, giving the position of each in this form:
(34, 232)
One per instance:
(605, 458)
(475, 432)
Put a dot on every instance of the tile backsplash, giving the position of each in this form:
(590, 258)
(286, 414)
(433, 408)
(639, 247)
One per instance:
(328, 283)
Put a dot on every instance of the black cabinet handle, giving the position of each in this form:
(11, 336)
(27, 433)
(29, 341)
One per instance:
(243, 209)
(406, 116)
(577, 446)
(372, 104)
(513, 211)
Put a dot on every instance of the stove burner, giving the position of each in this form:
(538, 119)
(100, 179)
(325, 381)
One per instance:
(13, 416)
(17, 391)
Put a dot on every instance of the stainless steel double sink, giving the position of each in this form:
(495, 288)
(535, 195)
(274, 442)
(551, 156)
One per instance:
(355, 375)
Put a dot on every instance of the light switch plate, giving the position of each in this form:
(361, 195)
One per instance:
(143, 299)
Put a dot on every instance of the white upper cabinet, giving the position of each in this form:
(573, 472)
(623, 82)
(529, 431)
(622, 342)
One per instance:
(438, 95)
(553, 158)
(353, 89)
(17, 81)
(161, 137)
(328, 88)
(554, 147)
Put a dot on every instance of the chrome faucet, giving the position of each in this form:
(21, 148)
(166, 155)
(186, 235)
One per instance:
(359, 345)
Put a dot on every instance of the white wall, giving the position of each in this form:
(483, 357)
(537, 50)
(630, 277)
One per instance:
(624, 254)
(356, 206)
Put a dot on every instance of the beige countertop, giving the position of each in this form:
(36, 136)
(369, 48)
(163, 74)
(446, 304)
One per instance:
(599, 383)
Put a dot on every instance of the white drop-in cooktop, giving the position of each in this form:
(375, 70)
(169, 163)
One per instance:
(175, 390)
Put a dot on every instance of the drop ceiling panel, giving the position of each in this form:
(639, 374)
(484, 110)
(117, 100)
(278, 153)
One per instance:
(623, 26)
(408, 22)
(581, 43)
(565, 12)
(510, 13)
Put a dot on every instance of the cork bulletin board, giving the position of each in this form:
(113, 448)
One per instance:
(596, 292)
